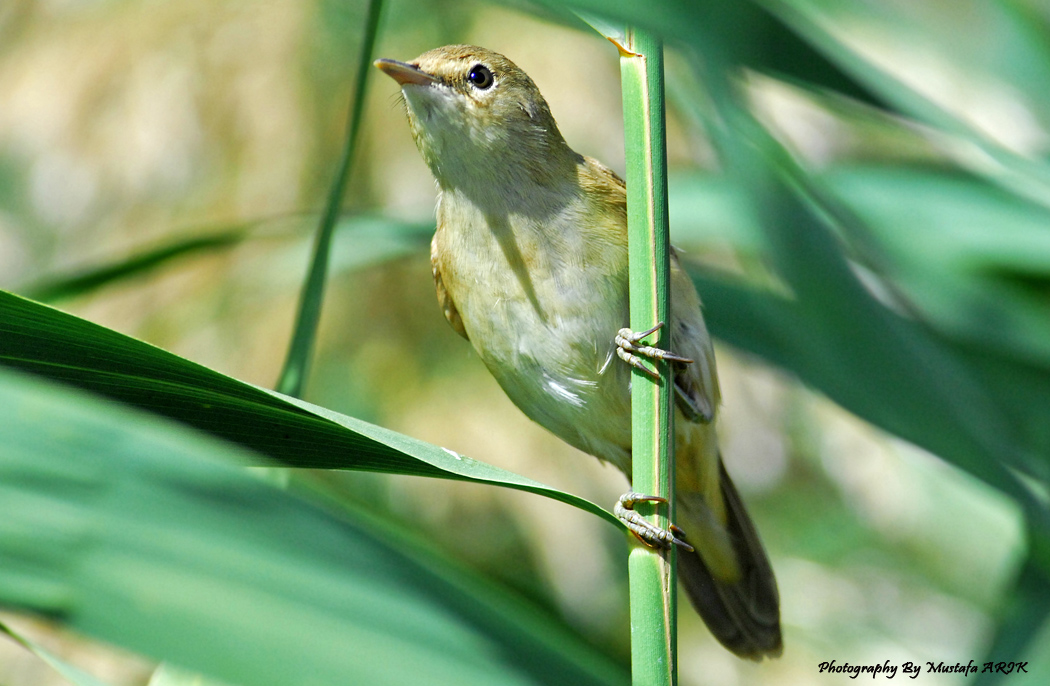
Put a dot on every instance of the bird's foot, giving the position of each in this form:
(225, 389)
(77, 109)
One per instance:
(629, 350)
(647, 532)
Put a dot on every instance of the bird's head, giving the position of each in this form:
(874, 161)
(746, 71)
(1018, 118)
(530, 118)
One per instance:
(476, 116)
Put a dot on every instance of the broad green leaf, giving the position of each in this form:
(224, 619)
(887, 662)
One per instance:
(50, 343)
(711, 211)
(141, 532)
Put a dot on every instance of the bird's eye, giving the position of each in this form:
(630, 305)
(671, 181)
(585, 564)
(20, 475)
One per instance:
(481, 77)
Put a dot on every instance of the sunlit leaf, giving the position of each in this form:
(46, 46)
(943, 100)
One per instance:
(59, 346)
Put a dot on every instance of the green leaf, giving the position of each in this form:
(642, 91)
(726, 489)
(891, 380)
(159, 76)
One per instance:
(757, 39)
(50, 343)
(91, 278)
(144, 533)
(971, 257)
(982, 411)
(986, 42)
(979, 265)
(886, 369)
(360, 241)
(1024, 175)
(73, 674)
(1027, 612)
(889, 369)
(296, 365)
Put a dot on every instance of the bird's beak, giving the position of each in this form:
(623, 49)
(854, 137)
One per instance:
(404, 73)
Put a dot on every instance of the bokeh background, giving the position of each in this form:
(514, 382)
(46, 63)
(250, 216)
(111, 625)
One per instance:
(206, 135)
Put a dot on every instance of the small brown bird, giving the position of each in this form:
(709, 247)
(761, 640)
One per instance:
(530, 264)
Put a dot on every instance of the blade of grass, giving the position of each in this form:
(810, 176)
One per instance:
(91, 278)
(359, 241)
(74, 675)
(293, 376)
(652, 574)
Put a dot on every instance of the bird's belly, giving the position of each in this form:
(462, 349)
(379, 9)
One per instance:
(551, 349)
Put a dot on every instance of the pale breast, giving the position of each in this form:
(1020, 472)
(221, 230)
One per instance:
(541, 302)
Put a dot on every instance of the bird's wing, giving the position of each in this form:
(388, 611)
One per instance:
(444, 299)
(696, 384)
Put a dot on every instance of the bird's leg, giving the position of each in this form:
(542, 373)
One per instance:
(629, 350)
(647, 532)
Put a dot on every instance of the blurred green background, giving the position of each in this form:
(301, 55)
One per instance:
(185, 149)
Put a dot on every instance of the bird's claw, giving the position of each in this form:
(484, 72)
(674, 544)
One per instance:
(629, 350)
(647, 532)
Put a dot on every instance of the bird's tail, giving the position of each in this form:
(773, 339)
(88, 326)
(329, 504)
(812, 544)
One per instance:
(728, 579)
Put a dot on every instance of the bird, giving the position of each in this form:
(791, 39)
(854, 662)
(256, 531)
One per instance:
(529, 261)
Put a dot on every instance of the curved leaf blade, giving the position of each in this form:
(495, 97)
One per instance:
(45, 341)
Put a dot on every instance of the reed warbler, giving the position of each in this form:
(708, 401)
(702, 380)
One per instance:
(530, 264)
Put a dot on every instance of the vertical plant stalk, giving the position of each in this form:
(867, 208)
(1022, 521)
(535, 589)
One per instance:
(300, 351)
(652, 573)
